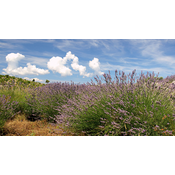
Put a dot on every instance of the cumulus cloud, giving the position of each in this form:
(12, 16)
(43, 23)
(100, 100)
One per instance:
(13, 68)
(13, 59)
(30, 79)
(57, 64)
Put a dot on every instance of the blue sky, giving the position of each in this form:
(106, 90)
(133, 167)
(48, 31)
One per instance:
(80, 60)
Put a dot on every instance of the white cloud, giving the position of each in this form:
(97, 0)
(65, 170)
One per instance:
(13, 59)
(30, 79)
(56, 64)
(13, 68)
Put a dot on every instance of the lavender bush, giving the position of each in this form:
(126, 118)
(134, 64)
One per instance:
(7, 110)
(43, 100)
(12, 97)
(121, 109)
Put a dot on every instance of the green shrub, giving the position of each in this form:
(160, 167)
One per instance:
(157, 78)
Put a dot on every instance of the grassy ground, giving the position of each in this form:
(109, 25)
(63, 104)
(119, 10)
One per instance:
(16, 89)
(148, 118)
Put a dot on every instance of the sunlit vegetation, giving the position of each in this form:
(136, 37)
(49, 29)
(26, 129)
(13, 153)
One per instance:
(29, 108)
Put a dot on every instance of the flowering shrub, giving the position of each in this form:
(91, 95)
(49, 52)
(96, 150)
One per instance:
(114, 108)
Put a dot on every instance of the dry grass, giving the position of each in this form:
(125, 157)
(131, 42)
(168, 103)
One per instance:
(20, 126)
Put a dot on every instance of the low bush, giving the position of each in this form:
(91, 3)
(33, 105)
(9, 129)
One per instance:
(114, 108)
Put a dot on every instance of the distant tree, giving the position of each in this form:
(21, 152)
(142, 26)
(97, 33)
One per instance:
(33, 80)
(47, 81)
(7, 76)
(13, 77)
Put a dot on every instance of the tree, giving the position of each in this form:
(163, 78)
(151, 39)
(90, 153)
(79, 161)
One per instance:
(7, 76)
(47, 81)
(33, 80)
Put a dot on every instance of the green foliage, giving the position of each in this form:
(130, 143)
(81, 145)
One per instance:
(111, 111)
(2, 81)
(13, 77)
(157, 78)
(47, 81)
(17, 93)
(7, 109)
(148, 115)
(7, 76)
(20, 79)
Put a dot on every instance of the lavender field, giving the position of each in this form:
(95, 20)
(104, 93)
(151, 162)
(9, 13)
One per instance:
(118, 108)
